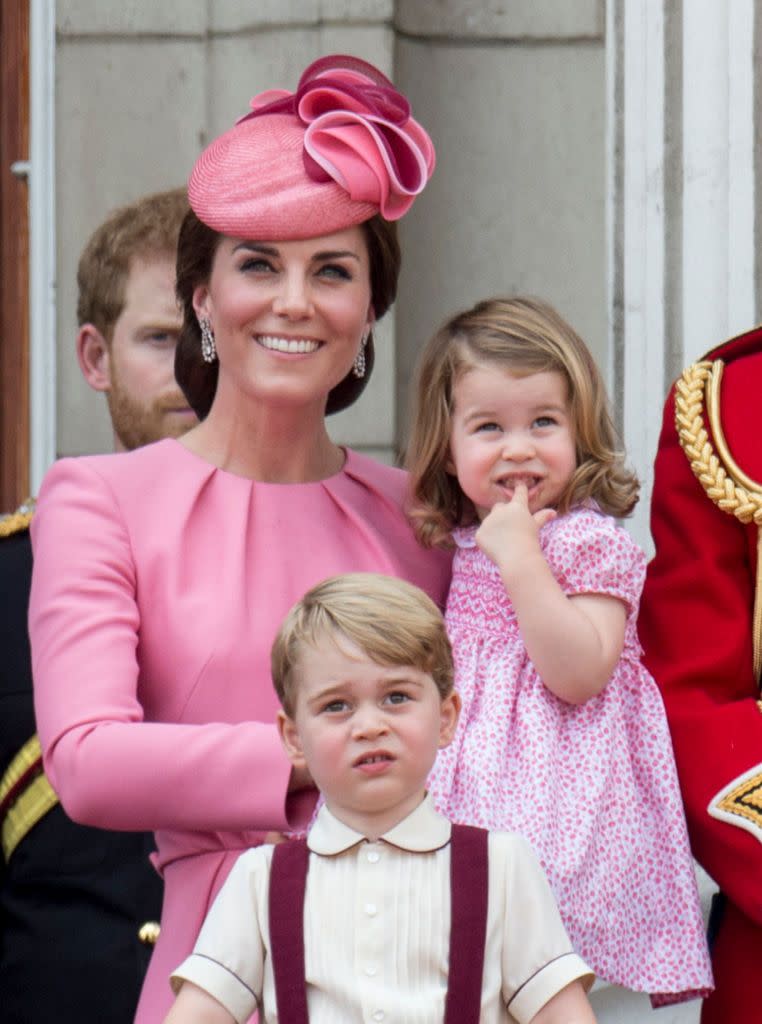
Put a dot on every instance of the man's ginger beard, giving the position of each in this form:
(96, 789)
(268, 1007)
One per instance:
(137, 423)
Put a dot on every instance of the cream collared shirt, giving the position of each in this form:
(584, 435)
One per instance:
(377, 929)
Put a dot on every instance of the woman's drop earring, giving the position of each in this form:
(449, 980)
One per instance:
(358, 366)
(208, 348)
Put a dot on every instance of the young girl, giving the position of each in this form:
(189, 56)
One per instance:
(563, 736)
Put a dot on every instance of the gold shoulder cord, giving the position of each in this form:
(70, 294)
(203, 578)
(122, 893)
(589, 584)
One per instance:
(17, 521)
(723, 480)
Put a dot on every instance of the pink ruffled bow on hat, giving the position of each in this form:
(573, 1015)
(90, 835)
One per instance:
(340, 149)
(358, 132)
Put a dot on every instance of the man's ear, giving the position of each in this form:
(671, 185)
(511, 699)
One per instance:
(94, 357)
(448, 718)
(290, 738)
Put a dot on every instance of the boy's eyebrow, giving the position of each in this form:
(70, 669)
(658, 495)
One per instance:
(402, 677)
(339, 689)
(334, 689)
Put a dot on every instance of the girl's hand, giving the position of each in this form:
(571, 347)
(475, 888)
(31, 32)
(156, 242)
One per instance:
(510, 531)
(575, 640)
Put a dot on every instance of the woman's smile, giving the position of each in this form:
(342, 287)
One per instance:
(291, 346)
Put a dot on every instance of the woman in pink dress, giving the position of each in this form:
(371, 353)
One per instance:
(161, 575)
(562, 736)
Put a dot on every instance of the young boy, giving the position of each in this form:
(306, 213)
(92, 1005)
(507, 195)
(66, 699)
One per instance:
(401, 916)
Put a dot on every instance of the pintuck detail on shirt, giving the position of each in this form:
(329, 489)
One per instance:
(469, 886)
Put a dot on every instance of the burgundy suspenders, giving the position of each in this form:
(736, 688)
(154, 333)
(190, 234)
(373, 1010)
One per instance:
(469, 888)
(288, 878)
(468, 929)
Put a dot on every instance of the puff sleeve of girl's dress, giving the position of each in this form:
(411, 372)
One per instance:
(110, 767)
(590, 554)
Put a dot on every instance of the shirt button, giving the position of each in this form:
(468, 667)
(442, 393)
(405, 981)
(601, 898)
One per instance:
(379, 1015)
(374, 856)
(371, 909)
(371, 971)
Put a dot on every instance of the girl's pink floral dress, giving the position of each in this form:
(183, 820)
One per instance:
(593, 787)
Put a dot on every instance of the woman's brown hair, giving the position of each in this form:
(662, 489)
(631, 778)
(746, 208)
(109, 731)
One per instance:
(524, 336)
(196, 249)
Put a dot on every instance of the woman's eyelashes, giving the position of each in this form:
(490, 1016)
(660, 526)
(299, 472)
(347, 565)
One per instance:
(256, 264)
(261, 265)
(335, 270)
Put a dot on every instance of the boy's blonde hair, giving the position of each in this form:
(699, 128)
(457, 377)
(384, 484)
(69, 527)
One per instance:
(524, 336)
(391, 620)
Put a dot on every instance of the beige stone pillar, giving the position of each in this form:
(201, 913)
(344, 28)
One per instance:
(683, 200)
(514, 96)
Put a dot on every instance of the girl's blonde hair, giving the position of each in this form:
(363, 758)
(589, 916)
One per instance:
(525, 336)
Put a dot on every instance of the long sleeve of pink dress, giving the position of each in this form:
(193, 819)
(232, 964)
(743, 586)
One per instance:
(159, 584)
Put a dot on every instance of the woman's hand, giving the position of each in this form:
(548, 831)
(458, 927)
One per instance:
(275, 838)
(300, 779)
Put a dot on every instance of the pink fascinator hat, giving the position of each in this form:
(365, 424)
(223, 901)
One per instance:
(339, 150)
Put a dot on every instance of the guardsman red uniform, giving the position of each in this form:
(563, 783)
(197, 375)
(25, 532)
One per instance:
(72, 899)
(701, 627)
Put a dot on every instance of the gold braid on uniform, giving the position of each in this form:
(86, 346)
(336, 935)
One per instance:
(723, 480)
(740, 803)
(26, 796)
(15, 522)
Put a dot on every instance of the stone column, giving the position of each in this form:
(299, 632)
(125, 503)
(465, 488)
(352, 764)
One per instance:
(514, 97)
(682, 201)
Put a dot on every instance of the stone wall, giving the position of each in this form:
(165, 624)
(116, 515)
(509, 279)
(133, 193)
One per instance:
(513, 95)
